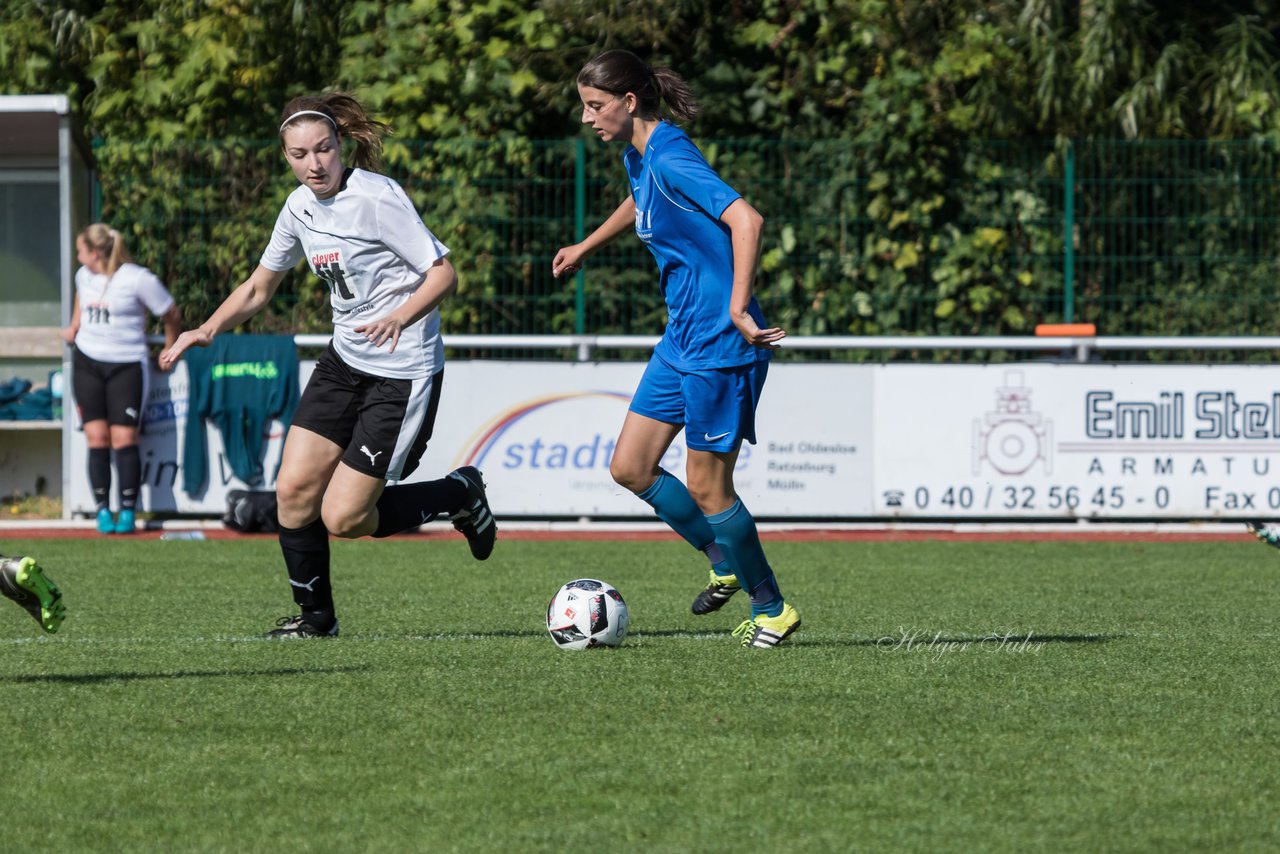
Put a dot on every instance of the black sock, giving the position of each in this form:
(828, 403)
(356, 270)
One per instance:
(129, 469)
(306, 556)
(409, 505)
(100, 476)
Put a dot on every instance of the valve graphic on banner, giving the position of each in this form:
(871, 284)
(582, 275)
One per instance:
(1012, 438)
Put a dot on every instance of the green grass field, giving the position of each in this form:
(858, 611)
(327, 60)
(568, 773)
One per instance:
(1140, 715)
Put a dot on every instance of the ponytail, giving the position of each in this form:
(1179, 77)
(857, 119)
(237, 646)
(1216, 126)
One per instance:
(621, 71)
(109, 243)
(677, 94)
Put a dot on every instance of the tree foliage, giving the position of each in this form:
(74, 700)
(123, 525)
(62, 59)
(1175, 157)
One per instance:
(909, 155)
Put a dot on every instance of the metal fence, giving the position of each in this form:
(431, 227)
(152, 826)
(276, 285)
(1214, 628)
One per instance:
(1140, 238)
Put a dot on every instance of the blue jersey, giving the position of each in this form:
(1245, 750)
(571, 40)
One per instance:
(679, 199)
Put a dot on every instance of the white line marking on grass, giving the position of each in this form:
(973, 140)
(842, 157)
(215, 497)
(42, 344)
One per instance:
(354, 638)
(447, 637)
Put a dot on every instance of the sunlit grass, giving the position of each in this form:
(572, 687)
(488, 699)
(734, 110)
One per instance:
(941, 696)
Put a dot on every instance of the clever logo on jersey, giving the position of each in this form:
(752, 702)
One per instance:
(328, 265)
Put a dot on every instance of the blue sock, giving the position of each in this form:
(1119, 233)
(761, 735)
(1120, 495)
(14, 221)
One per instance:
(671, 500)
(735, 531)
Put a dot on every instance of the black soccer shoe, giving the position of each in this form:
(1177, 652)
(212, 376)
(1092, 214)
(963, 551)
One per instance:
(22, 580)
(475, 521)
(717, 592)
(296, 627)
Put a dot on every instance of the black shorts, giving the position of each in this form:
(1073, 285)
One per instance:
(384, 424)
(108, 390)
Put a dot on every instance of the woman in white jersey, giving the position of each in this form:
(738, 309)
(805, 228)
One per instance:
(369, 407)
(109, 365)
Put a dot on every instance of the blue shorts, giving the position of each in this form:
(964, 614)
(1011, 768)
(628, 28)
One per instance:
(717, 407)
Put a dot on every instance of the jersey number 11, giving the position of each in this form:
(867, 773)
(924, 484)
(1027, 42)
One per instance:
(332, 274)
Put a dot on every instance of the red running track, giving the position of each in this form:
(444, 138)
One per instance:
(800, 535)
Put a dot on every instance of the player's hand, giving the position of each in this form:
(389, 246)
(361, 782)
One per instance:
(383, 330)
(765, 338)
(198, 337)
(69, 333)
(567, 260)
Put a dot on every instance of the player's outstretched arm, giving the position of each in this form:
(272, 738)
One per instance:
(243, 303)
(745, 227)
(570, 258)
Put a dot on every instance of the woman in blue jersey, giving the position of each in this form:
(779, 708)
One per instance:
(370, 405)
(707, 372)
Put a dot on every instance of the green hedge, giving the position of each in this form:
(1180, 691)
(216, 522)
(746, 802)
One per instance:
(1166, 239)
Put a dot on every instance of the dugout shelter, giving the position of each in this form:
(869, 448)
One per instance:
(47, 183)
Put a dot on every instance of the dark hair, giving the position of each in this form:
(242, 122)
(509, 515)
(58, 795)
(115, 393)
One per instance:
(349, 120)
(621, 71)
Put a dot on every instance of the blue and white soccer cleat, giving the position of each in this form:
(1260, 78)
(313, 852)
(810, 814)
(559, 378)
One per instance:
(125, 523)
(1267, 532)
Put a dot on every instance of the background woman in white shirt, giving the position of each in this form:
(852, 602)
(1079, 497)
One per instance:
(109, 366)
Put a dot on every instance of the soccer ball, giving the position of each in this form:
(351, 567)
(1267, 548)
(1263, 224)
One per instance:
(587, 613)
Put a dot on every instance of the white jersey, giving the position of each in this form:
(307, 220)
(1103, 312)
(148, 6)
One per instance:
(113, 312)
(370, 246)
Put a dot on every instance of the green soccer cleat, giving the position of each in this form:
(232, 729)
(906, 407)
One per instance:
(719, 591)
(22, 580)
(106, 522)
(763, 632)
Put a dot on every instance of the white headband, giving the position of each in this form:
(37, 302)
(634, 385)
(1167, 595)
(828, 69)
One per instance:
(308, 113)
